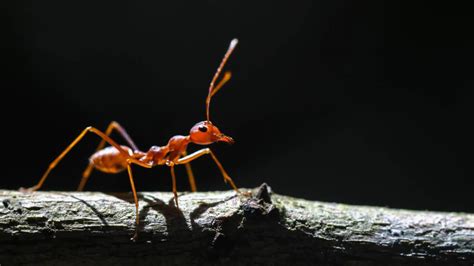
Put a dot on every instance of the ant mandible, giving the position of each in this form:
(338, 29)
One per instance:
(116, 158)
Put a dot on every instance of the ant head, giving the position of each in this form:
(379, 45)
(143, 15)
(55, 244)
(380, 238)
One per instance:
(204, 133)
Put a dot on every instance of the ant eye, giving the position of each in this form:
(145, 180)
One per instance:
(203, 129)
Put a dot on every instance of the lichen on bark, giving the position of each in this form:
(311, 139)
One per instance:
(224, 228)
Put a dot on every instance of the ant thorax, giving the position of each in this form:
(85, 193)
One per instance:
(157, 155)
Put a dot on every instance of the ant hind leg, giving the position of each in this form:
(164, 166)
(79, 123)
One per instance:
(53, 164)
(135, 198)
(175, 192)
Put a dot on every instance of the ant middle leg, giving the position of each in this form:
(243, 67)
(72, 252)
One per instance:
(53, 164)
(202, 152)
(113, 125)
(189, 171)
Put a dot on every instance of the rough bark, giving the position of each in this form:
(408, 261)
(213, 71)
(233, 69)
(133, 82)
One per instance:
(222, 228)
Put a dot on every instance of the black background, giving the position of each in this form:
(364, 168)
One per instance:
(347, 101)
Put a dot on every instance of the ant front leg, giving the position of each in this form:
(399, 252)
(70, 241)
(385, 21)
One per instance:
(202, 152)
(112, 126)
(64, 153)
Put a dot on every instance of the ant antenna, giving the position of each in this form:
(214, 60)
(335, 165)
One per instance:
(232, 45)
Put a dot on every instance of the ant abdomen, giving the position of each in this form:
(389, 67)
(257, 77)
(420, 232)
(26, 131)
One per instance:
(110, 160)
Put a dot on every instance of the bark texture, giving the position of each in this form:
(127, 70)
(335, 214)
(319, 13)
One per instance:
(222, 228)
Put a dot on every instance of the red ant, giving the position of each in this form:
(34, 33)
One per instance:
(116, 158)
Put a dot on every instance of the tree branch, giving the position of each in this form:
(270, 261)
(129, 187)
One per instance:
(223, 228)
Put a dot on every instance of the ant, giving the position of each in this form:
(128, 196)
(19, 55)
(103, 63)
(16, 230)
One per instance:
(116, 158)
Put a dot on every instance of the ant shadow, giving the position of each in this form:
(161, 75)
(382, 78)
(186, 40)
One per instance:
(176, 225)
(93, 209)
(175, 221)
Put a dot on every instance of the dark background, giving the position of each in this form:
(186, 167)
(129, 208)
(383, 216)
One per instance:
(347, 101)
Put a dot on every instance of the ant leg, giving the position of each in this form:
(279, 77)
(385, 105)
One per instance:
(189, 171)
(134, 191)
(85, 176)
(175, 192)
(61, 156)
(202, 152)
(113, 125)
(135, 198)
